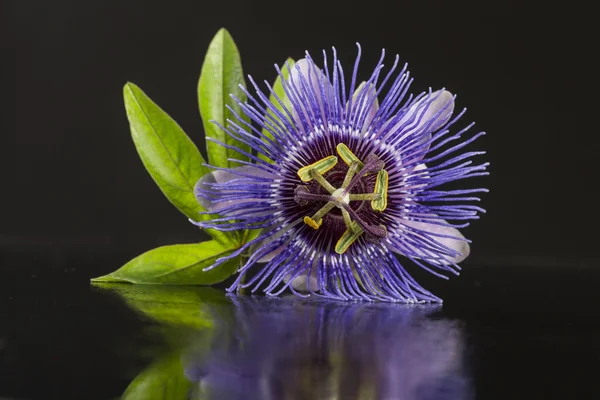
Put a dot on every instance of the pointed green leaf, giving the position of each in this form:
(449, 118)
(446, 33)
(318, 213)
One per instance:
(179, 264)
(278, 90)
(221, 76)
(169, 155)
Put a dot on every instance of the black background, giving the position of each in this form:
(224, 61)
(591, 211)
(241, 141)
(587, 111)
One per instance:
(76, 201)
(72, 178)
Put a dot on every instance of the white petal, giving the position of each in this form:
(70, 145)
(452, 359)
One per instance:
(272, 254)
(424, 113)
(222, 177)
(421, 170)
(461, 246)
(306, 74)
(299, 282)
(269, 256)
(271, 238)
(367, 97)
(421, 167)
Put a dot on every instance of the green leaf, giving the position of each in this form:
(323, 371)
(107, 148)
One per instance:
(169, 155)
(179, 264)
(221, 76)
(181, 306)
(251, 234)
(163, 380)
(278, 89)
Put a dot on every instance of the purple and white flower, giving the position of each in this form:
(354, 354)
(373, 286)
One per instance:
(351, 183)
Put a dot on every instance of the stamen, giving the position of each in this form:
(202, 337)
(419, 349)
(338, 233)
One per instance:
(314, 174)
(381, 188)
(347, 155)
(351, 171)
(321, 213)
(374, 230)
(348, 237)
(347, 219)
(320, 166)
(365, 197)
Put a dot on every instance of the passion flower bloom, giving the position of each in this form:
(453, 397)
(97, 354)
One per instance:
(350, 183)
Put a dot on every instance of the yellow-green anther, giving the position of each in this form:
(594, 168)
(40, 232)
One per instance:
(320, 166)
(349, 237)
(350, 174)
(312, 223)
(381, 188)
(347, 155)
(364, 196)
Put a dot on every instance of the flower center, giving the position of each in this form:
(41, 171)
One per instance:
(341, 197)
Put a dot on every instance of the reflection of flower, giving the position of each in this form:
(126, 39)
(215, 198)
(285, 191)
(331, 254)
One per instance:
(290, 349)
(351, 183)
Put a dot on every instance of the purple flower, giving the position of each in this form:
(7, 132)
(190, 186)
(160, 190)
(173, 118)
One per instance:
(352, 181)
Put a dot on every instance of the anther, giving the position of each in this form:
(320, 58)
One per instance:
(381, 188)
(312, 223)
(320, 167)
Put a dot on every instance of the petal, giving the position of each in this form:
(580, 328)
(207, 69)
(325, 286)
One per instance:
(300, 282)
(309, 84)
(272, 254)
(422, 167)
(270, 239)
(421, 170)
(208, 196)
(431, 112)
(265, 242)
(454, 242)
(365, 104)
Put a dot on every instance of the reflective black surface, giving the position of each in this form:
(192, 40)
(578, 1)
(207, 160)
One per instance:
(503, 333)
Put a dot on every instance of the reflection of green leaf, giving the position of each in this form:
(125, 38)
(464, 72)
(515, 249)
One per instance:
(221, 76)
(179, 264)
(163, 380)
(278, 90)
(185, 306)
(169, 155)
